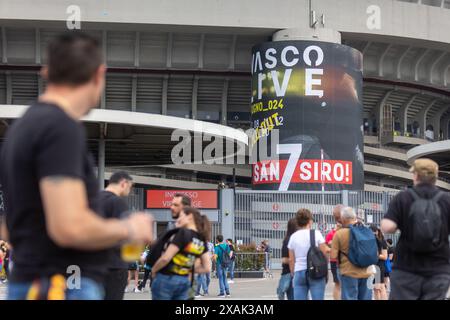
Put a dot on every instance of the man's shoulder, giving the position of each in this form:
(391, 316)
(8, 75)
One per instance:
(341, 232)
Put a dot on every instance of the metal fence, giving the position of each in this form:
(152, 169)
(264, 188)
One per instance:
(263, 215)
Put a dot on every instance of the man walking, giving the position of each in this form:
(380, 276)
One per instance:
(179, 202)
(421, 269)
(113, 205)
(353, 279)
(51, 191)
(223, 260)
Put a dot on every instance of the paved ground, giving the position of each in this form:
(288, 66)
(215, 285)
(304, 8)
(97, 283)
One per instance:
(242, 289)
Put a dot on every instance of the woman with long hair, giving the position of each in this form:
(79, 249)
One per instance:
(285, 285)
(379, 289)
(186, 254)
(299, 245)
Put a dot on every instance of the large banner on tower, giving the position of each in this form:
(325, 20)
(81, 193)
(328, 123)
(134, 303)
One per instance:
(311, 92)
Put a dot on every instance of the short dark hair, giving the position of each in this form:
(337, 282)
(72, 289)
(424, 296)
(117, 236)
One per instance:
(230, 240)
(73, 57)
(185, 200)
(118, 176)
(219, 238)
(304, 216)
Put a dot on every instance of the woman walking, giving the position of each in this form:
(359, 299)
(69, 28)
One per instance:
(285, 288)
(299, 245)
(186, 254)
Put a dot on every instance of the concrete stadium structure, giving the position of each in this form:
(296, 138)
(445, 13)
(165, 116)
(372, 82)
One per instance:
(176, 63)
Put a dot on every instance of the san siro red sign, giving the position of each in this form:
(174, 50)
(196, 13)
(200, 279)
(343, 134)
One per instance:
(201, 199)
(302, 171)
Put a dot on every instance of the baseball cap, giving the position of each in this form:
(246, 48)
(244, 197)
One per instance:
(425, 167)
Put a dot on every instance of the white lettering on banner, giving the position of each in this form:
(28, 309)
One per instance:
(310, 82)
(305, 168)
(269, 56)
(284, 52)
(288, 58)
(307, 52)
(294, 150)
(261, 77)
(280, 92)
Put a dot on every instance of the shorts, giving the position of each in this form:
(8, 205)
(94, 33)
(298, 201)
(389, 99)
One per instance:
(334, 272)
(133, 266)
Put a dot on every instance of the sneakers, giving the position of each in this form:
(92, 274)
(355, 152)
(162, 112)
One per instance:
(221, 295)
(136, 290)
(126, 289)
(228, 295)
(197, 296)
(231, 281)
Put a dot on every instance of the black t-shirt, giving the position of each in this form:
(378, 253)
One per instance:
(405, 258)
(192, 246)
(45, 142)
(285, 254)
(113, 206)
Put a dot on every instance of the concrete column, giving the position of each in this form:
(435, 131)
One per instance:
(226, 211)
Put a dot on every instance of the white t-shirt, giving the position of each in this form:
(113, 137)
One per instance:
(299, 242)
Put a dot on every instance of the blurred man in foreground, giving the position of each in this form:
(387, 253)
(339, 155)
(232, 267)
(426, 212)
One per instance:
(50, 188)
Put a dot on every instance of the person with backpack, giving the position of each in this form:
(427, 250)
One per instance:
(355, 248)
(222, 254)
(421, 268)
(308, 261)
(379, 289)
(182, 254)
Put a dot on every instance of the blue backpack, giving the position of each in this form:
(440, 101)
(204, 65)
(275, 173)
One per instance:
(363, 249)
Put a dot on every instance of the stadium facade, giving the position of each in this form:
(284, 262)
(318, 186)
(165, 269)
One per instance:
(186, 64)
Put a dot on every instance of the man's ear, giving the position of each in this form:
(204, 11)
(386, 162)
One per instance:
(44, 72)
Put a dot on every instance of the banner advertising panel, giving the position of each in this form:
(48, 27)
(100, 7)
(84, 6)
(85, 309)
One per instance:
(311, 92)
(200, 199)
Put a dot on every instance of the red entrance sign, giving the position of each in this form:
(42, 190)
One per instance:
(162, 199)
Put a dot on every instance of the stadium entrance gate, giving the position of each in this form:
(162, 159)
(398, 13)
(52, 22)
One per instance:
(263, 215)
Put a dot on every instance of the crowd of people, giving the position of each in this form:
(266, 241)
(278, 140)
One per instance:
(363, 263)
(58, 221)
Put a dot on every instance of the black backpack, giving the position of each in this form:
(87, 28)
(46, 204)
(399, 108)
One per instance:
(226, 259)
(157, 249)
(424, 225)
(317, 264)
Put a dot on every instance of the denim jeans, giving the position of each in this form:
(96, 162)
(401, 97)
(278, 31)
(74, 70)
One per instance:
(170, 287)
(203, 281)
(302, 285)
(223, 283)
(232, 265)
(89, 290)
(355, 289)
(285, 287)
